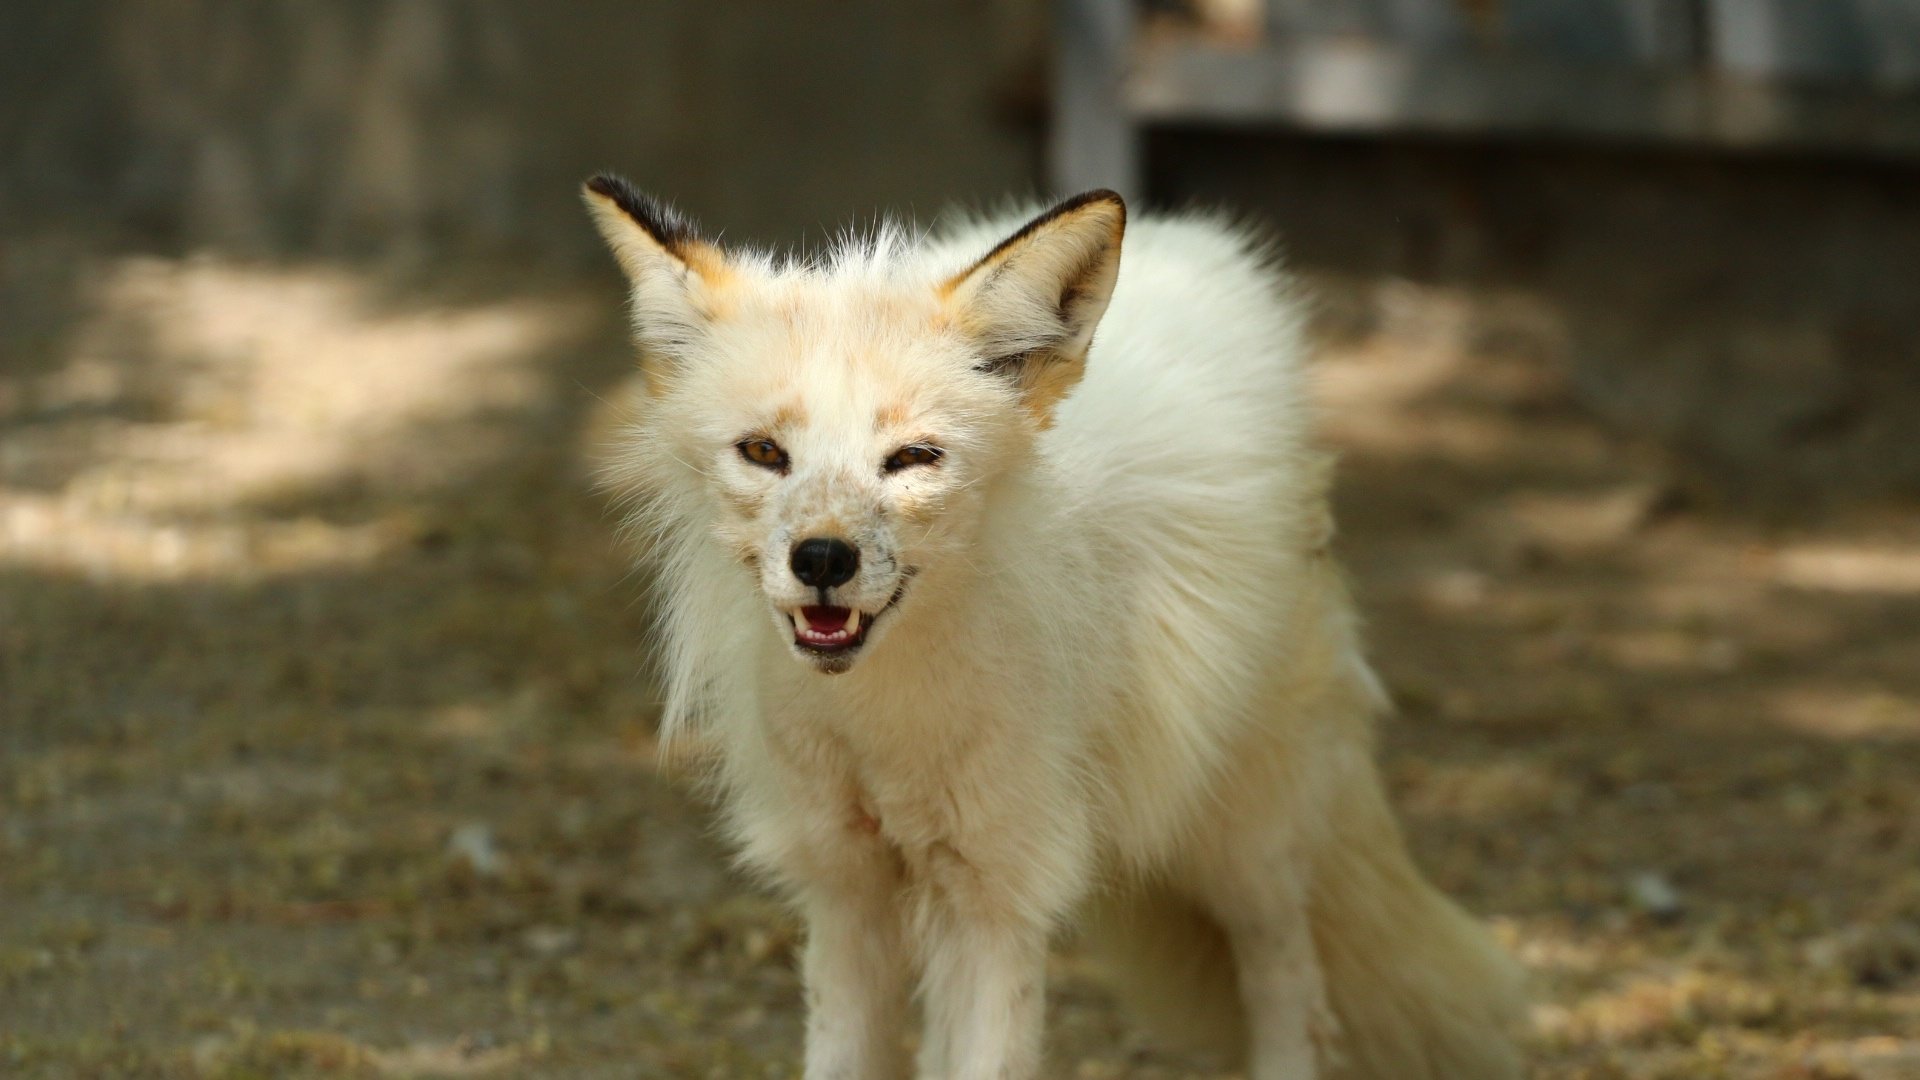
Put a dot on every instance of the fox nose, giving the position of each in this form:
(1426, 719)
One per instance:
(824, 561)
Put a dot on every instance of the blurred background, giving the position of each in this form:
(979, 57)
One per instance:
(326, 731)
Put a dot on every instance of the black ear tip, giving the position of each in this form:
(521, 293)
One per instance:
(1090, 198)
(609, 186)
(666, 224)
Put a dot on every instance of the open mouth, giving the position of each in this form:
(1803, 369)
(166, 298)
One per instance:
(834, 634)
(829, 629)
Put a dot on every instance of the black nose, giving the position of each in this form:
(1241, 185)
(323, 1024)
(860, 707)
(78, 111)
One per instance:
(824, 562)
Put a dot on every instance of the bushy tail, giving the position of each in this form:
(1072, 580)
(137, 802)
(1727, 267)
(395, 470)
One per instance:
(1418, 989)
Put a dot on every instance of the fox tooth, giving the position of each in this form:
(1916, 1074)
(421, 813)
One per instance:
(853, 621)
(799, 622)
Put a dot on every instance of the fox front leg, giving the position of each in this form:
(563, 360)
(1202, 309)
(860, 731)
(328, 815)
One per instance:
(1252, 881)
(985, 987)
(856, 973)
(982, 939)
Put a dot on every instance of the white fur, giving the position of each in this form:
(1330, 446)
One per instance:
(1125, 679)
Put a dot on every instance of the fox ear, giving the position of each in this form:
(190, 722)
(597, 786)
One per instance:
(674, 273)
(1031, 304)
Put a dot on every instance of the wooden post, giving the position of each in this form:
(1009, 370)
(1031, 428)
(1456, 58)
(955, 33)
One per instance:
(1094, 143)
(1659, 33)
(1841, 41)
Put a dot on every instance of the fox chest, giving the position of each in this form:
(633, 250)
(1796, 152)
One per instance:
(902, 801)
(922, 803)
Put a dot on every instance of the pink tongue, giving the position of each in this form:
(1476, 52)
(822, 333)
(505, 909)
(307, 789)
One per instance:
(826, 620)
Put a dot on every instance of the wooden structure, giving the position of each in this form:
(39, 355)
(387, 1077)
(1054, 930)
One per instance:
(1826, 76)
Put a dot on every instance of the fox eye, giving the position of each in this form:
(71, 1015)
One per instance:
(763, 452)
(918, 454)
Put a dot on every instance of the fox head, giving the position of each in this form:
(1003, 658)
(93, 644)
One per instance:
(835, 428)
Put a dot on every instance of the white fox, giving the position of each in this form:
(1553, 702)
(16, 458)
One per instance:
(1003, 627)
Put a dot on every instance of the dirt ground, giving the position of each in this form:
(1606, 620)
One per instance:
(325, 738)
